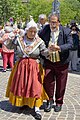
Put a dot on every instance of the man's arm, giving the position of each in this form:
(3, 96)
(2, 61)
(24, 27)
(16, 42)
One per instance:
(68, 41)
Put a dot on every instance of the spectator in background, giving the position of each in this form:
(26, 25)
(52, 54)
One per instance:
(42, 21)
(1, 34)
(1, 31)
(11, 21)
(74, 50)
(7, 49)
(79, 44)
(73, 23)
(19, 24)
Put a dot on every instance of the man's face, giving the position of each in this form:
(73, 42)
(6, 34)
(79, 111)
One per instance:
(42, 21)
(54, 23)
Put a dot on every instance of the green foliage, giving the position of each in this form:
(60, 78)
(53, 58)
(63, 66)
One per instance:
(69, 9)
(37, 7)
(10, 8)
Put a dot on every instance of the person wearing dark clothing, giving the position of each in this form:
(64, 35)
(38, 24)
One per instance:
(58, 40)
(74, 50)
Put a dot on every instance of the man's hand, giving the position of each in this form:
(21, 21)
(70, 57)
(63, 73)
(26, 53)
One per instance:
(54, 47)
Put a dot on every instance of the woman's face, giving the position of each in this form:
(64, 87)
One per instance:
(31, 33)
(73, 29)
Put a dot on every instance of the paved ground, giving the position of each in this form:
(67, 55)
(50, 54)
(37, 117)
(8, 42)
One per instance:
(70, 109)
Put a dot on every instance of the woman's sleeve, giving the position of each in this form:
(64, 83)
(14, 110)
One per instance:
(43, 50)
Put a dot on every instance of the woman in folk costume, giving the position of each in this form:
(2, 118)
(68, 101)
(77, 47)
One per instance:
(25, 85)
(7, 48)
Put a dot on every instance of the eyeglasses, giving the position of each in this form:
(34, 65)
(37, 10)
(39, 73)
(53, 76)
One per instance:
(52, 22)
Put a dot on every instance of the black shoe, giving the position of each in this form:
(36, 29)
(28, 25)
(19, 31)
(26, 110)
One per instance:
(57, 108)
(49, 106)
(38, 116)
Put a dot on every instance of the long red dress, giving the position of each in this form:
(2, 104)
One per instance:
(25, 85)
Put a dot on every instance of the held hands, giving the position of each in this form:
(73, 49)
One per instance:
(54, 47)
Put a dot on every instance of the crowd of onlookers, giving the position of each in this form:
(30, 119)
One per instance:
(7, 34)
(10, 30)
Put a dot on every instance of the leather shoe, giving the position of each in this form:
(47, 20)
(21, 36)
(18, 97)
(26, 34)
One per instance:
(38, 116)
(57, 108)
(49, 106)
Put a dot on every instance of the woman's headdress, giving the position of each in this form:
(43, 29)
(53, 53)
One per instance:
(31, 24)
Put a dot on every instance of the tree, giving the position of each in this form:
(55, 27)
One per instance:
(79, 0)
(69, 10)
(10, 8)
(36, 7)
(18, 10)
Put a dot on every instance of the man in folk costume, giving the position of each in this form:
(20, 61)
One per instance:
(25, 86)
(58, 40)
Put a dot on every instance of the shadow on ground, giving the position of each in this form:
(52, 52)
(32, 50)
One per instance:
(6, 106)
(1, 68)
(75, 72)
